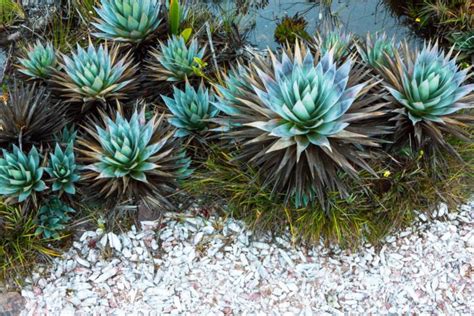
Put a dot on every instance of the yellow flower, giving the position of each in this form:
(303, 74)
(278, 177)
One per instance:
(387, 174)
(418, 20)
(4, 98)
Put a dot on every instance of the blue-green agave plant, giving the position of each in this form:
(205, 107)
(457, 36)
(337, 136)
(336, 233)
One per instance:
(95, 74)
(53, 217)
(20, 174)
(298, 119)
(40, 61)
(429, 90)
(464, 43)
(63, 169)
(377, 49)
(127, 20)
(66, 136)
(235, 87)
(133, 158)
(429, 85)
(191, 109)
(176, 60)
(336, 41)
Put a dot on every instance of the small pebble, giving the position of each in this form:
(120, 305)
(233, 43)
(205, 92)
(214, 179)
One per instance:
(213, 267)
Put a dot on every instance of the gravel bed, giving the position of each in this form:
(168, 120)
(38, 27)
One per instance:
(217, 267)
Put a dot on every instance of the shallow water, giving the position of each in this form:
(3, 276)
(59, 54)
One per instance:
(3, 60)
(356, 16)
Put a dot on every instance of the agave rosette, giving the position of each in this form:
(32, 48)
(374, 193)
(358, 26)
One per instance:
(53, 217)
(20, 174)
(39, 62)
(300, 119)
(429, 93)
(63, 170)
(377, 50)
(132, 158)
(464, 43)
(95, 74)
(191, 109)
(127, 20)
(336, 41)
(175, 60)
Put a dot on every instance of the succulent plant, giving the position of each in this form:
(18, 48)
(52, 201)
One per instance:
(300, 120)
(175, 60)
(66, 136)
(63, 170)
(291, 28)
(10, 11)
(53, 216)
(127, 20)
(95, 74)
(235, 87)
(376, 50)
(133, 159)
(177, 14)
(40, 61)
(335, 41)
(191, 109)
(464, 42)
(29, 116)
(428, 89)
(20, 174)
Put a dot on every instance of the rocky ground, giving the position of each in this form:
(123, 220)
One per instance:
(217, 267)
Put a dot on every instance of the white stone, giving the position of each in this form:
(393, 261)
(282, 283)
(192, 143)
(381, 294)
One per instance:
(114, 241)
(106, 275)
(197, 238)
(83, 294)
(103, 240)
(83, 262)
(426, 269)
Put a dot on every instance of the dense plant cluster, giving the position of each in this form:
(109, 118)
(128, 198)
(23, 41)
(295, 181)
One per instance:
(299, 121)
(451, 21)
(327, 135)
(291, 28)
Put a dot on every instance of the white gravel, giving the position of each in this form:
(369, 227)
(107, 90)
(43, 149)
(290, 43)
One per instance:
(217, 267)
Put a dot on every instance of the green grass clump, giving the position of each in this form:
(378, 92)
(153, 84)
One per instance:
(247, 198)
(61, 31)
(9, 12)
(440, 19)
(20, 247)
(85, 9)
(374, 208)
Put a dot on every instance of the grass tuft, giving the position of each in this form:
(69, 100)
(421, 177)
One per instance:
(20, 247)
(10, 11)
(376, 206)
